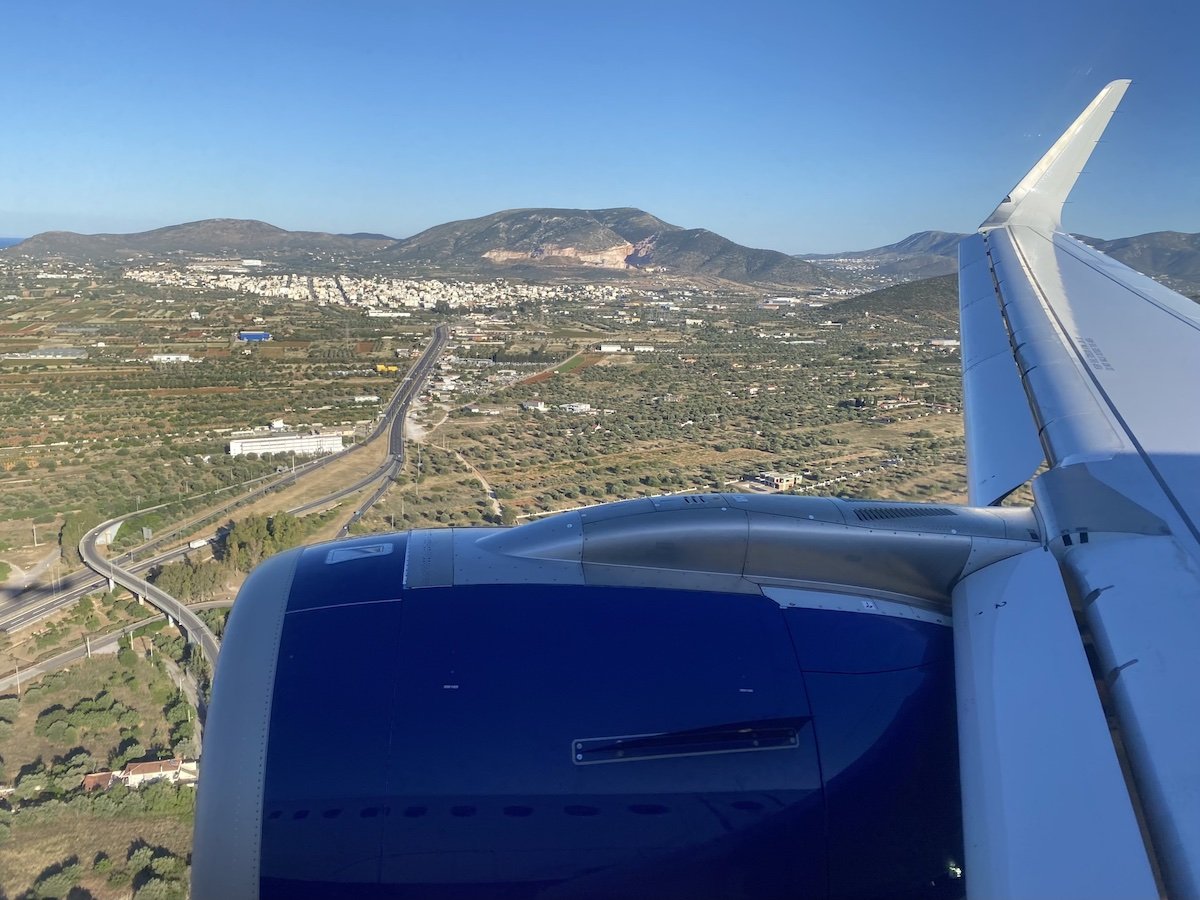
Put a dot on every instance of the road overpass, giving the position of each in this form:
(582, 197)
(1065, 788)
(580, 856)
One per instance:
(392, 423)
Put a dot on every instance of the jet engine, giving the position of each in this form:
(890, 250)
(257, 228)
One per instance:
(709, 696)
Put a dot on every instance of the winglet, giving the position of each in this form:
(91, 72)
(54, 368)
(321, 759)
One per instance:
(1038, 199)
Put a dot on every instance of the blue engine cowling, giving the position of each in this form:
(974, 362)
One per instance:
(379, 732)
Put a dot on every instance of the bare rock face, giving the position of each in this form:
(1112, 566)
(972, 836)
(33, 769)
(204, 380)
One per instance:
(608, 258)
(642, 254)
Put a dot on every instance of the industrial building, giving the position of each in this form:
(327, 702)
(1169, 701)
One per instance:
(52, 353)
(254, 336)
(299, 444)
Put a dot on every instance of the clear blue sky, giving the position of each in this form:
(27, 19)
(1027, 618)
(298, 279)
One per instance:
(791, 125)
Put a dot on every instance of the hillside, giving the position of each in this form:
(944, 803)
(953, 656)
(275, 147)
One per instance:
(209, 237)
(700, 252)
(623, 238)
(933, 301)
(1171, 256)
(565, 236)
(922, 255)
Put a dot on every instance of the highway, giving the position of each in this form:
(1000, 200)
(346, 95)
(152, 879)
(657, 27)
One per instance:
(391, 422)
(401, 400)
(35, 603)
(41, 602)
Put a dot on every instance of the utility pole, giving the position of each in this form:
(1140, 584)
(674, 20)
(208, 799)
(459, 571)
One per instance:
(35, 543)
(87, 641)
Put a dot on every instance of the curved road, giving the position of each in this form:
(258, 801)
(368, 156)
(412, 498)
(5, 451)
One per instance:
(391, 421)
(190, 623)
(37, 602)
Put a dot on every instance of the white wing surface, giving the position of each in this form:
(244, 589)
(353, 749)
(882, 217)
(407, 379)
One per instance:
(1107, 363)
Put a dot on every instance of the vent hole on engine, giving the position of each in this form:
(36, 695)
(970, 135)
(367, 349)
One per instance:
(877, 513)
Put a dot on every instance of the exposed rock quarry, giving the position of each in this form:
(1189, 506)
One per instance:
(610, 258)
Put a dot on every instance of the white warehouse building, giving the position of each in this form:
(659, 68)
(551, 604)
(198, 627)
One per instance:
(300, 444)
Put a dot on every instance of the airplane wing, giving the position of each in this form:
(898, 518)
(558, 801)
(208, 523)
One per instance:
(1074, 361)
(728, 695)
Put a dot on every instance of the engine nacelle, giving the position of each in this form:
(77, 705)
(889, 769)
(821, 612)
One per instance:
(698, 696)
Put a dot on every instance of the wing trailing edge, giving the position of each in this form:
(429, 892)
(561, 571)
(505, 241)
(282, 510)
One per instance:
(1003, 450)
(1108, 363)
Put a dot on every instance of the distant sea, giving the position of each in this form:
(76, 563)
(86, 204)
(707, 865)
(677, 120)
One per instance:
(8, 242)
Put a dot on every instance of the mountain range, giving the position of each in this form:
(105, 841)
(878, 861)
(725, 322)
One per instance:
(925, 254)
(549, 243)
(1172, 257)
(530, 241)
(241, 237)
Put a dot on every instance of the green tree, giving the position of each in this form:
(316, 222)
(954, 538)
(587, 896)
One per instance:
(286, 531)
(9, 707)
(57, 881)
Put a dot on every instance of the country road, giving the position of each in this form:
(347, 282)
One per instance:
(100, 644)
(484, 483)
